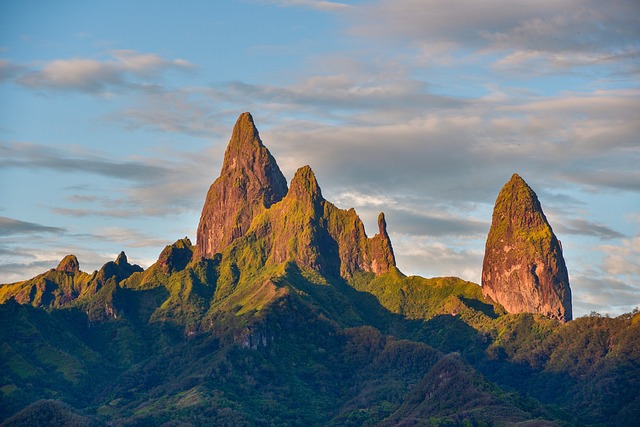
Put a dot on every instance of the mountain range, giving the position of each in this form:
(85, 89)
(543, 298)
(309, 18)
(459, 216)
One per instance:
(285, 312)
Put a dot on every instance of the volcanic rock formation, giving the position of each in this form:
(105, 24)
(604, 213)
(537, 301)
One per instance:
(69, 264)
(523, 267)
(250, 200)
(307, 229)
(249, 182)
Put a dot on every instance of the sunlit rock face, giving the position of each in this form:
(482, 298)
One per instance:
(523, 267)
(250, 201)
(250, 182)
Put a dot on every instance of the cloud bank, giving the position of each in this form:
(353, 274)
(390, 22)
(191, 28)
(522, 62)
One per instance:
(125, 69)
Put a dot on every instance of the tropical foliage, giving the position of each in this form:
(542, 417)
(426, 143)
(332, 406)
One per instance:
(230, 341)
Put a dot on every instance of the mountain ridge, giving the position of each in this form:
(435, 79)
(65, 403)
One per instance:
(297, 317)
(297, 221)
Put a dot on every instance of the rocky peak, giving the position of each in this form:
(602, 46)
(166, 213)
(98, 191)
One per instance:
(523, 267)
(69, 264)
(119, 269)
(382, 256)
(304, 186)
(122, 260)
(250, 182)
(250, 199)
(175, 257)
(382, 225)
(245, 147)
(314, 233)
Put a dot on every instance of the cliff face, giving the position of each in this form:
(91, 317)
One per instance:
(250, 199)
(523, 267)
(307, 229)
(250, 181)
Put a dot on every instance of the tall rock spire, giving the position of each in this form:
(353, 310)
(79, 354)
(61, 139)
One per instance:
(249, 182)
(382, 256)
(523, 267)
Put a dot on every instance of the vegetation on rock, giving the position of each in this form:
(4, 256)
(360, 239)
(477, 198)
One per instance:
(300, 319)
(523, 267)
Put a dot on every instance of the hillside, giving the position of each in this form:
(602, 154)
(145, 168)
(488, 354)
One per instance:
(285, 312)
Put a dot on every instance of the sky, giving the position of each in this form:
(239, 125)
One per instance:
(114, 117)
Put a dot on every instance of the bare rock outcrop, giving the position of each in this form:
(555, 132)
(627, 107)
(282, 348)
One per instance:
(250, 181)
(523, 267)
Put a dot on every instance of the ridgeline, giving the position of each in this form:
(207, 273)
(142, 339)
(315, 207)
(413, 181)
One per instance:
(286, 313)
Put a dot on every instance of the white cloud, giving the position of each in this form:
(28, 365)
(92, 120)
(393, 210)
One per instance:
(28, 155)
(357, 199)
(183, 111)
(554, 36)
(11, 226)
(603, 294)
(128, 237)
(9, 70)
(584, 227)
(157, 184)
(622, 260)
(429, 257)
(124, 68)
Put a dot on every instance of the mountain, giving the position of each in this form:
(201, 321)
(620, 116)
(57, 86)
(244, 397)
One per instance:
(296, 224)
(286, 313)
(523, 267)
(315, 234)
(66, 284)
(250, 181)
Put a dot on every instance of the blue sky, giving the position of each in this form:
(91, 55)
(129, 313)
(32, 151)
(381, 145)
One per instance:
(114, 117)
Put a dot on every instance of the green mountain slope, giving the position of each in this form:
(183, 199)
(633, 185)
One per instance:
(286, 313)
(219, 341)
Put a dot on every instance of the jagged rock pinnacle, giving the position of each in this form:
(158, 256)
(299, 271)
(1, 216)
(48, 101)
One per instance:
(304, 185)
(523, 267)
(122, 259)
(307, 229)
(383, 258)
(69, 264)
(382, 224)
(249, 182)
(245, 145)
